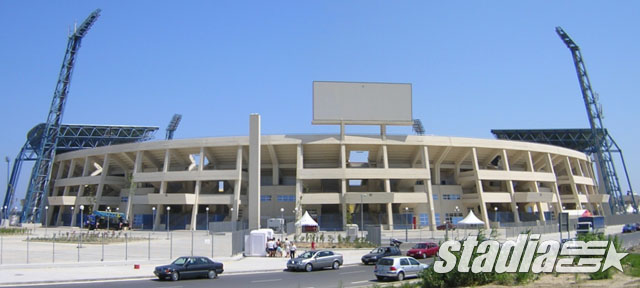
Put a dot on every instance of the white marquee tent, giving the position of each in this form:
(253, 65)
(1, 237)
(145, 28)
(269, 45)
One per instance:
(306, 220)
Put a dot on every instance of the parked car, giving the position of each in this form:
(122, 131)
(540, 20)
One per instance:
(628, 228)
(310, 260)
(448, 225)
(423, 250)
(377, 253)
(398, 267)
(189, 267)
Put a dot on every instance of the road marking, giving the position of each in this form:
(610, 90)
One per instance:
(357, 282)
(352, 272)
(267, 280)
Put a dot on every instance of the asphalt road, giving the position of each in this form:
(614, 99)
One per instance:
(347, 276)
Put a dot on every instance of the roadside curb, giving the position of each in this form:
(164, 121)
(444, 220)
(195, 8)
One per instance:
(136, 277)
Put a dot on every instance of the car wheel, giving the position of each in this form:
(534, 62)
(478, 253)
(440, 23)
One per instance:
(400, 276)
(336, 265)
(380, 278)
(175, 276)
(212, 274)
(308, 268)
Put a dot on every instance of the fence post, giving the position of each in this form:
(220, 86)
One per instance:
(1, 248)
(27, 248)
(53, 253)
(102, 259)
(171, 246)
(191, 242)
(78, 249)
(126, 247)
(211, 245)
(149, 248)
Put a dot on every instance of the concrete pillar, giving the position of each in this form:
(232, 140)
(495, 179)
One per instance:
(387, 184)
(103, 178)
(483, 206)
(574, 188)
(428, 188)
(194, 210)
(65, 190)
(554, 185)
(254, 171)
(514, 204)
(238, 186)
(299, 167)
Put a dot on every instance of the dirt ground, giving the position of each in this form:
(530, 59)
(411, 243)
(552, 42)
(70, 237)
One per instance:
(569, 280)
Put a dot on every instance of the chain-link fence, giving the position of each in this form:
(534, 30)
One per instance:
(64, 246)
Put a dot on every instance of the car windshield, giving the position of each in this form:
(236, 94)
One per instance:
(307, 255)
(385, 261)
(180, 261)
(420, 246)
(377, 250)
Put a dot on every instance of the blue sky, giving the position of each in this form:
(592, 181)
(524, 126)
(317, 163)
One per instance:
(474, 65)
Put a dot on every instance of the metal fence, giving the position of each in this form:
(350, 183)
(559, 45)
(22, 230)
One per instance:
(64, 246)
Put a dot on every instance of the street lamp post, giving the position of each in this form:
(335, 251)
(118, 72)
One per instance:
(81, 217)
(108, 217)
(207, 222)
(168, 211)
(233, 224)
(46, 213)
(5, 215)
(72, 214)
(283, 223)
(406, 224)
(153, 226)
(496, 217)
(458, 231)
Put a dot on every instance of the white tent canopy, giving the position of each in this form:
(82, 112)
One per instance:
(306, 220)
(471, 219)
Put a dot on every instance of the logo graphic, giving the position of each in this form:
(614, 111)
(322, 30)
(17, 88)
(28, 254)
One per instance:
(524, 255)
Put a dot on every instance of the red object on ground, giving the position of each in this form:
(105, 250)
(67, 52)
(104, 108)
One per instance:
(313, 245)
(587, 214)
(136, 266)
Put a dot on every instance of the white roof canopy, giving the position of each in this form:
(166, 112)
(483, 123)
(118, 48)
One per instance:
(306, 220)
(471, 219)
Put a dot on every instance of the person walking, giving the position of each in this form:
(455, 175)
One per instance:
(292, 250)
(287, 247)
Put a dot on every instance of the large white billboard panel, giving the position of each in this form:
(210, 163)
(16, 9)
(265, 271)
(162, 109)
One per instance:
(361, 103)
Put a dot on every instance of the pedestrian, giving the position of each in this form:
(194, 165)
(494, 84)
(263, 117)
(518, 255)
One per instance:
(292, 250)
(287, 246)
(313, 245)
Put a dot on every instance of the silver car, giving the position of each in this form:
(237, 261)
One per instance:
(313, 259)
(398, 267)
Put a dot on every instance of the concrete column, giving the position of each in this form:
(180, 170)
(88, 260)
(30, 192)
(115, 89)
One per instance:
(554, 185)
(483, 206)
(103, 178)
(574, 188)
(167, 161)
(299, 167)
(64, 189)
(137, 168)
(387, 184)
(194, 210)
(254, 172)
(72, 167)
(514, 204)
(428, 188)
(238, 186)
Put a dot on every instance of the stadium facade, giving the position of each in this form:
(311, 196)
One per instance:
(390, 180)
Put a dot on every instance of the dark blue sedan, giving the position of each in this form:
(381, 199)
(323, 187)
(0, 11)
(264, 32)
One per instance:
(189, 267)
(628, 228)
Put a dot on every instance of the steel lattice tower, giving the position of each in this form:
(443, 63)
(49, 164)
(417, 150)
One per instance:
(46, 149)
(602, 142)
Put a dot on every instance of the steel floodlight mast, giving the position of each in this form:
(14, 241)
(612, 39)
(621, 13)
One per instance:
(39, 182)
(173, 125)
(602, 144)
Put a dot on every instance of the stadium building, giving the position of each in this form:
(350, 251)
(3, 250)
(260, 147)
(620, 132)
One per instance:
(391, 180)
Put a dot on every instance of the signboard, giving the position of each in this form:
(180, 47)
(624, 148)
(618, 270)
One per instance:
(362, 103)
